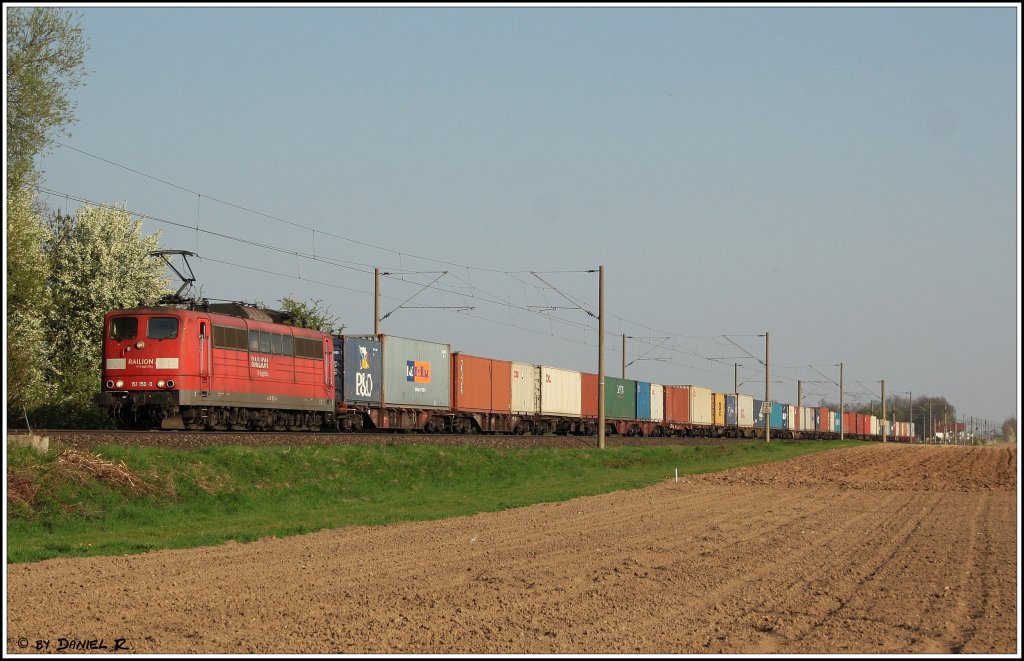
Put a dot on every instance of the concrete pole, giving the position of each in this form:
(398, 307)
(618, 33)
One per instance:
(913, 435)
(842, 427)
(883, 412)
(767, 390)
(623, 355)
(600, 359)
(376, 301)
(736, 393)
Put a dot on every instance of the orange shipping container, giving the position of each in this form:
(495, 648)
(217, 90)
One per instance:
(588, 395)
(677, 403)
(481, 384)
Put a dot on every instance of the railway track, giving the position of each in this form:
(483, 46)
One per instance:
(90, 438)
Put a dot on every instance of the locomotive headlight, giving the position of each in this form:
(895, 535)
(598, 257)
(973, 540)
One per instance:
(140, 344)
(160, 383)
(120, 383)
(170, 383)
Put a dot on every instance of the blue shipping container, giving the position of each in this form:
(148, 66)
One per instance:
(730, 409)
(643, 400)
(360, 364)
(780, 415)
(758, 415)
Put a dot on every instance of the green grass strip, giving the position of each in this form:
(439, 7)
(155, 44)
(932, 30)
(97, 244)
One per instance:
(116, 500)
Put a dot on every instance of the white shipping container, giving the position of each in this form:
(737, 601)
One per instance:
(832, 421)
(700, 406)
(524, 388)
(790, 421)
(873, 428)
(745, 410)
(657, 402)
(560, 391)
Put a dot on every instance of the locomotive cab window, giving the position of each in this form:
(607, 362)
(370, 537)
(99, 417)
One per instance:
(254, 341)
(124, 328)
(162, 328)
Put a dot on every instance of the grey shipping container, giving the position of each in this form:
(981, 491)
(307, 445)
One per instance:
(417, 373)
(361, 365)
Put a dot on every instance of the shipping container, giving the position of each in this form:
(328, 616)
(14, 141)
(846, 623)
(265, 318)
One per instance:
(643, 400)
(848, 428)
(619, 398)
(834, 421)
(779, 415)
(417, 373)
(588, 395)
(792, 417)
(524, 388)
(874, 428)
(360, 362)
(677, 404)
(718, 408)
(730, 410)
(482, 385)
(657, 402)
(824, 420)
(745, 410)
(701, 411)
(560, 391)
(758, 415)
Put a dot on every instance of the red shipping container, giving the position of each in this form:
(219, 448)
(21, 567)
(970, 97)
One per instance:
(823, 419)
(677, 403)
(588, 395)
(848, 421)
(481, 384)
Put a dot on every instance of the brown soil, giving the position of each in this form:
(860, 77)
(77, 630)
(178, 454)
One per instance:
(876, 549)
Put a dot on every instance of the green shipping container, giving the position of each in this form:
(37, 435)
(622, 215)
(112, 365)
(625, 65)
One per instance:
(619, 398)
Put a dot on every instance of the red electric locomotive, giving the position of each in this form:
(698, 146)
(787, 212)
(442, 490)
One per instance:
(220, 366)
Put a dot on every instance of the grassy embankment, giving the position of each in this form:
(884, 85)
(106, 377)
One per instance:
(118, 500)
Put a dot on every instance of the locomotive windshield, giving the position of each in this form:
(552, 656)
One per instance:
(162, 328)
(124, 328)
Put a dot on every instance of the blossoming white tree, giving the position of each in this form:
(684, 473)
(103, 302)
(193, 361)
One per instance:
(99, 261)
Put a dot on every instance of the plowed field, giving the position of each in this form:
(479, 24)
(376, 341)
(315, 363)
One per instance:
(874, 549)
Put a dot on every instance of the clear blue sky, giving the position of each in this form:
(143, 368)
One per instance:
(844, 178)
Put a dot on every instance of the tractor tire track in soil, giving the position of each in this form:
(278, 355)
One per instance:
(875, 549)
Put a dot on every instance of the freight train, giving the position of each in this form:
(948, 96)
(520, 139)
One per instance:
(237, 367)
